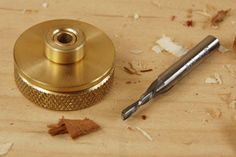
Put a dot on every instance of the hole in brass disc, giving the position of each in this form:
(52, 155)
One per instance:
(64, 38)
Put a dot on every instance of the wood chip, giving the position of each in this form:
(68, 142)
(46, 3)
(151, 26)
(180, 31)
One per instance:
(211, 80)
(5, 148)
(173, 18)
(218, 78)
(144, 117)
(166, 43)
(145, 70)
(219, 17)
(136, 16)
(189, 23)
(234, 45)
(144, 133)
(75, 128)
(157, 49)
(214, 80)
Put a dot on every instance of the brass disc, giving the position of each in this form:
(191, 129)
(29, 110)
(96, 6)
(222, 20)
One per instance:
(64, 64)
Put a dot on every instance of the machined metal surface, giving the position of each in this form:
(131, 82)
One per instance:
(174, 73)
(64, 64)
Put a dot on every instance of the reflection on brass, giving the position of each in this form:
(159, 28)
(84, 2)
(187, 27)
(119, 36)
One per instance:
(64, 64)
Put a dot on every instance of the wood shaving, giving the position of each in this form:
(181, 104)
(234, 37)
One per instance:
(218, 78)
(131, 70)
(203, 13)
(167, 44)
(144, 133)
(146, 70)
(173, 18)
(228, 68)
(45, 5)
(211, 80)
(219, 17)
(232, 105)
(214, 80)
(233, 22)
(234, 45)
(136, 51)
(5, 148)
(222, 49)
(214, 113)
(157, 49)
(144, 117)
(75, 128)
(189, 23)
(136, 16)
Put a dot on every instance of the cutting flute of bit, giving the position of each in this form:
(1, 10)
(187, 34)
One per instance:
(174, 73)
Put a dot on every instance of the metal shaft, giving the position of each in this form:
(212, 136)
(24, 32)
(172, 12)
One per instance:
(175, 72)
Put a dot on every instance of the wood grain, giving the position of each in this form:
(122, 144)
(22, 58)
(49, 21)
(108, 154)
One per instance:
(177, 121)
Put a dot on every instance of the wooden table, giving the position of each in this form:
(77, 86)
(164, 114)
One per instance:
(178, 121)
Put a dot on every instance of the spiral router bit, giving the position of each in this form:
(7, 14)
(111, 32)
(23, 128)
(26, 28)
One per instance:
(169, 78)
(64, 64)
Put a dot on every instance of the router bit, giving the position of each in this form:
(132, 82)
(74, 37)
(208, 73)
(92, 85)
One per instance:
(174, 73)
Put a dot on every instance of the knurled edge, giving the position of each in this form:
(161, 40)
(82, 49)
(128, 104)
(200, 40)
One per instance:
(63, 101)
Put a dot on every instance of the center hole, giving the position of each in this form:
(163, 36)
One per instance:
(65, 38)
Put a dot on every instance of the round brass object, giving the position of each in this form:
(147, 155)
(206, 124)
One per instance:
(64, 64)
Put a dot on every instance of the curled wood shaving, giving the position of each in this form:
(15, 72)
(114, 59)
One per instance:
(146, 70)
(5, 148)
(144, 133)
(219, 17)
(131, 70)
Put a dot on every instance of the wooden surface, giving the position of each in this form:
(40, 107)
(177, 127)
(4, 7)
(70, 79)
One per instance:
(178, 121)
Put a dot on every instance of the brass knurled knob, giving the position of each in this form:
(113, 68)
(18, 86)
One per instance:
(64, 64)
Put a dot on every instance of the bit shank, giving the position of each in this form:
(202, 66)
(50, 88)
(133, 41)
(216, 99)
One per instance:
(174, 73)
